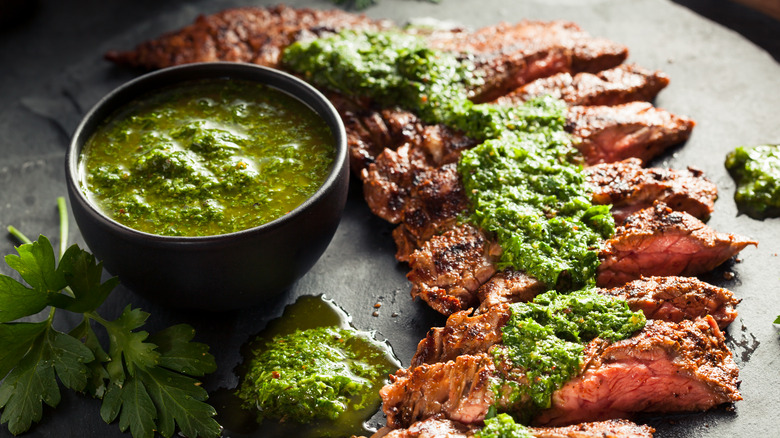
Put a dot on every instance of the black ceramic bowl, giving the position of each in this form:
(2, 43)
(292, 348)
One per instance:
(220, 272)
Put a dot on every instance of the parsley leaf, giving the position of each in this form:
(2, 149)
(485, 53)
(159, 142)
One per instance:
(777, 320)
(147, 382)
(150, 381)
(32, 381)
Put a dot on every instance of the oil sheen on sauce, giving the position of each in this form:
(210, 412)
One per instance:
(307, 313)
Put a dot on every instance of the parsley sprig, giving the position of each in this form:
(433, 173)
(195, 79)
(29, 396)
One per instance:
(147, 382)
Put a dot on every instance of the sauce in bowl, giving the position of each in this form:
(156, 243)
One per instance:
(206, 157)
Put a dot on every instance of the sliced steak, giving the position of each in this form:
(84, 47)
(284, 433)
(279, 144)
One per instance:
(622, 84)
(388, 183)
(508, 286)
(629, 187)
(439, 426)
(598, 429)
(678, 298)
(462, 334)
(658, 241)
(462, 389)
(255, 35)
(448, 269)
(510, 55)
(613, 133)
(667, 367)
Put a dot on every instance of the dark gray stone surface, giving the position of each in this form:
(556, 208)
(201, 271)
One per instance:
(722, 59)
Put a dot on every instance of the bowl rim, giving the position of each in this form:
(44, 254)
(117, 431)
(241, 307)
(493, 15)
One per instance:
(136, 87)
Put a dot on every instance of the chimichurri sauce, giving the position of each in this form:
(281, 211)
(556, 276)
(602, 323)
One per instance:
(524, 186)
(206, 157)
(757, 172)
(503, 426)
(310, 374)
(545, 337)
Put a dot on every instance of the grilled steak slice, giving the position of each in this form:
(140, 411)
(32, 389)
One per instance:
(671, 299)
(598, 429)
(462, 389)
(660, 241)
(462, 334)
(388, 183)
(614, 133)
(254, 35)
(439, 426)
(678, 298)
(448, 269)
(622, 84)
(508, 286)
(510, 55)
(629, 187)
(667, 367)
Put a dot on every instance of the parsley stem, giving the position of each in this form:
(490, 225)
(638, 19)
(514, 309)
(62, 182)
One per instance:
(18, 234)
(63, 209)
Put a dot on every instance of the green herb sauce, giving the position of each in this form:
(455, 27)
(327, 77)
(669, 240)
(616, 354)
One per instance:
(206, 157)
(545, 337)
(522, 184)
(757, 172)
(503, 426)
(312, 371)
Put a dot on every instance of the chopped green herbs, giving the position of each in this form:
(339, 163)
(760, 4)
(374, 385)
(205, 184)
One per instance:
(315, 374)
(757, 172)
(503, 426)
(537, 206)
(147, 382)
(545, 337)
(521, 182)
(206, 157)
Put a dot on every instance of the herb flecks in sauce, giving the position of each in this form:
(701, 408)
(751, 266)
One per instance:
(757, 172)
(503, 426)
(207, 157)
(314, 372)
(521, 182)
(545, 337)
(537, 206)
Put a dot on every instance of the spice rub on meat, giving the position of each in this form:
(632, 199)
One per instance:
(510, 55)
(439, 426)
(665, 367)
(671, 299)
(622, 84)
(629, 187)
(448, 269)
(254, 35)
(656, 241)
(661, 241)
(614, 133)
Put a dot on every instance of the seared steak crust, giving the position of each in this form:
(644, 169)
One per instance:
(510, 55)
(508, 286)
(461, 389)
(598, 429)
(614, 133)
(622, 84)
(660, 241)
(448, 269)
(667, 367)
(254, 35)
(629, 187)
(462, 334)
(678, 298)
(439, 426)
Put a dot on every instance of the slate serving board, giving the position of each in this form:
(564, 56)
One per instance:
(52, 71)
